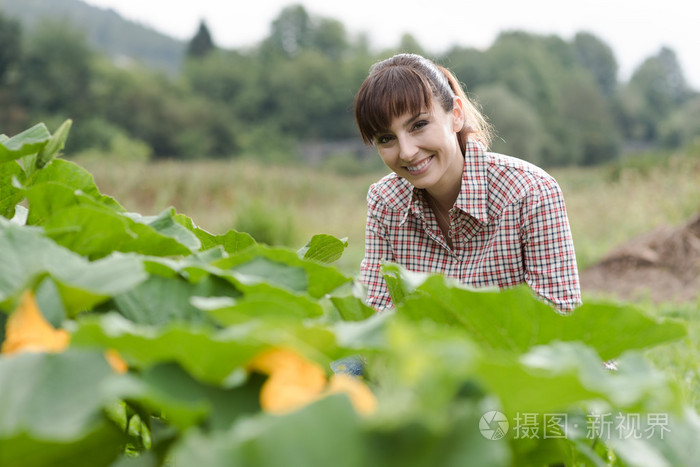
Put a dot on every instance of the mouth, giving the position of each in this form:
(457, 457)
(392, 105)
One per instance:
(421, 167)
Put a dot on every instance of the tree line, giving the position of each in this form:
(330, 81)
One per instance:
(551, 101)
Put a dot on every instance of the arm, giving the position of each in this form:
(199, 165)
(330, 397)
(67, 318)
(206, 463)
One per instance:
(548, 249)
(377, 249)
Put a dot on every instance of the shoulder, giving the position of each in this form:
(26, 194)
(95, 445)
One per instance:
(512, 178)
(390, 192)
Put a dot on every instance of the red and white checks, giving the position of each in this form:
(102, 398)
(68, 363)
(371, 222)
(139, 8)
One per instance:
(509, 225)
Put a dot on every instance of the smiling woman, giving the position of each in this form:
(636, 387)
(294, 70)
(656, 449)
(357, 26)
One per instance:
(450, 206)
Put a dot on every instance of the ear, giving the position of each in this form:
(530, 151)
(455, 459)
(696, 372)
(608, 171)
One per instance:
(458, 115)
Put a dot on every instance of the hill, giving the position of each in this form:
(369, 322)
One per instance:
(105, 30)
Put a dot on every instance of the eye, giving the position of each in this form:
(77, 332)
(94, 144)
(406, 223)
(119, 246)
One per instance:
(420, 124)
(383, 139)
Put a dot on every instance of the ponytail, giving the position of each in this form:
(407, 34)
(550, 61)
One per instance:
(475, 124)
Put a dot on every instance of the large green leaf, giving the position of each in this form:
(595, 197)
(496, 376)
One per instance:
(51, 410)
(324, 433)
(560, 376)
(232, 241)
(261, 301)
(458, 443)
(209, 355)
(182, 401)
(166, 224)
(515, 320)
(48, 198)
(161, 300)
(28, 257)
(9, 194)
(28, 142)
(323, 248)
(78, 179)
(95, 232)
(261, 263)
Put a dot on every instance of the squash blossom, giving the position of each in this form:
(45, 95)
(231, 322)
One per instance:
(27, 330)
(294, 382)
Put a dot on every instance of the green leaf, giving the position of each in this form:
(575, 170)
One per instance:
(352, 308)
(323, 248)
(52, 410)
(94, 232)
(76, 178)
(9, 194)
(515, 320)
(563, 375)
(160, 300)
(232, 241)
(49, 198)
(209, 356)
(326, 432)
(28, 142)
(55, 144)
(458, 443)
(28, 256)
(401, 282)
(183, 401)
(282, 267)
(165, 224)
(260, 301)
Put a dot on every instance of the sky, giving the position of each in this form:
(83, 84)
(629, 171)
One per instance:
(634, 29)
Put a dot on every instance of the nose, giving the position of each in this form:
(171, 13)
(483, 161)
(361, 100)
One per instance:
(408, 149)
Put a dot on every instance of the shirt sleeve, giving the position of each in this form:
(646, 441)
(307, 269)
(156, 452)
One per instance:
(548, 249)
(377, 250)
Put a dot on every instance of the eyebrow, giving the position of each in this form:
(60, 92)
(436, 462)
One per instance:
(416, 116)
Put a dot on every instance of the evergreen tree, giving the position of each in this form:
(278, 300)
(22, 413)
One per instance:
(201, 44)
(9, 45)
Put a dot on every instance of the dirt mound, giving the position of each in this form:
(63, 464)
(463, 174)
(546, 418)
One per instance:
(663, 265)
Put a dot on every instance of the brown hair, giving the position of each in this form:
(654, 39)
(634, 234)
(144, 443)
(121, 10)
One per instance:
(406, 83)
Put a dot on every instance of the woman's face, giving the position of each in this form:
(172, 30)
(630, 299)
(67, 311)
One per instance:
(423, 148)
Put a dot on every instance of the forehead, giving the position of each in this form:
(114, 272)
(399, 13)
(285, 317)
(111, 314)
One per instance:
(396, 97)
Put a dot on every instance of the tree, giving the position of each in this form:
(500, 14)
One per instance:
(10, 34)
(330, 38)
(291, 31)
(409, 44)
(656, 88)
(201, 44)
(518, 128)
(598, 58)
(56, 71)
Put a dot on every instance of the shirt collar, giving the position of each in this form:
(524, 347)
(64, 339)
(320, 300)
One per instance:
(473, 196)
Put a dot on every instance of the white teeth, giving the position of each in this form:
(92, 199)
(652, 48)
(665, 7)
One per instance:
(416, 168)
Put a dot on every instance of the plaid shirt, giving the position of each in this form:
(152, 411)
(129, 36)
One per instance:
(508, 226)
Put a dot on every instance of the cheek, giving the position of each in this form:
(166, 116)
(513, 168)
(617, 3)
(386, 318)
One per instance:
(387, 156)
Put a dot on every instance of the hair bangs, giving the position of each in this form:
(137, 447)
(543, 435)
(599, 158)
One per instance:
(387, 94)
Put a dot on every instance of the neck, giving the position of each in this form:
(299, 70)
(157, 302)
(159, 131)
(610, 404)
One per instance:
(445, 194)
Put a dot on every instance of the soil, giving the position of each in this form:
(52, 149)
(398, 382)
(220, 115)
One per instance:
(662, 265)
